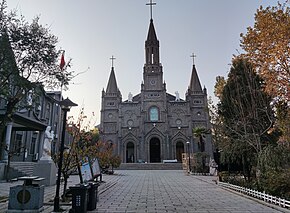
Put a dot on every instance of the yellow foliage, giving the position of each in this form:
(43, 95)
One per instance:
(267, 46)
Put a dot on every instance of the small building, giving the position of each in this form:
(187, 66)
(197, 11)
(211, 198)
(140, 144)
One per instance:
(24, 135)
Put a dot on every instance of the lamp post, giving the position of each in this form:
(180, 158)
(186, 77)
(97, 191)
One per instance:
(188, 153)
(65, 106)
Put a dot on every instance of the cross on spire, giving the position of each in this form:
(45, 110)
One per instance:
(151, 4)
(193, 56)
(112, 58)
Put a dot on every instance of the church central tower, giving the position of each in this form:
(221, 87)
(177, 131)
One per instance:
(152, 74)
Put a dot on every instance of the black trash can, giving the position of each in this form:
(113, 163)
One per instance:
(79, 198)
(93, 196)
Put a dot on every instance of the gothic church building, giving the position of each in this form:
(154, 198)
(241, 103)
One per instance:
(154, 125)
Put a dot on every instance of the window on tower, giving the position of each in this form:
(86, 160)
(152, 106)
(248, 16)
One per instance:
(154, 114)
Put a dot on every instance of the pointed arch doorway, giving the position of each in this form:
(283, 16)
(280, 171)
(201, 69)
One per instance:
(154, 150)
(179, 150)
(130, 149)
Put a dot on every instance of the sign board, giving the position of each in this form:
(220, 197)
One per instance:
(96, 168)
(86, 171)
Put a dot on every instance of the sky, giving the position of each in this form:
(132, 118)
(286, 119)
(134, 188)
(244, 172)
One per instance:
(91, 31)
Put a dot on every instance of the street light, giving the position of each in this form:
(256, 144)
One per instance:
(65, 106)
(188, 153)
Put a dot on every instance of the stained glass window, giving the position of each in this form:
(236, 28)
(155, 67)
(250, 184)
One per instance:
(154, 116)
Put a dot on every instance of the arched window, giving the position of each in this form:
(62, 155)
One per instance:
(154, 114)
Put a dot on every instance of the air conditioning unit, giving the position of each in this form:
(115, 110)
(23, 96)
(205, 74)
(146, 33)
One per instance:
(29, 198)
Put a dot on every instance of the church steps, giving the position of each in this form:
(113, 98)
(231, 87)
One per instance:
(18, 169)
(150, 166)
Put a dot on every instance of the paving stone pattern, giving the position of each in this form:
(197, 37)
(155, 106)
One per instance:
(159, 191)
(172, 191)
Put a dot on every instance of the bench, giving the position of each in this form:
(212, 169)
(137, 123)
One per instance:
(31, 180)
(170, 161)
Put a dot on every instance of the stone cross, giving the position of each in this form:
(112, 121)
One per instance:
(193, 56)
(112, 58)
(151, 4)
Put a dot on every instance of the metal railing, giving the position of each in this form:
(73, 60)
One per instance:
(260, 195)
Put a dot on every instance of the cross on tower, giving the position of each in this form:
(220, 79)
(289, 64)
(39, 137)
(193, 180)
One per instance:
(112, 58)
(193, 56)
(151, 4)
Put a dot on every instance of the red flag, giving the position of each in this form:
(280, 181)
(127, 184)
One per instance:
(62, 62)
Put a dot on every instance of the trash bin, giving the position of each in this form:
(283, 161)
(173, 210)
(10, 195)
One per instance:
(93, 196)
(79, 198)
(27, 197)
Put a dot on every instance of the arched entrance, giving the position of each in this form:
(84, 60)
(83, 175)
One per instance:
(179, 151)
(155, 150)
(130, 158)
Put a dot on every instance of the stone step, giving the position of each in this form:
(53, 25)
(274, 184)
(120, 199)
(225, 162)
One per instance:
(23, 168)
(150, 166)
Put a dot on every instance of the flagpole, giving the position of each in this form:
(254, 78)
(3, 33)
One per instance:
(61, 66)
(56, 199)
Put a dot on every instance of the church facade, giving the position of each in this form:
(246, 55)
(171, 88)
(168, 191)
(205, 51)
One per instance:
(154, 125)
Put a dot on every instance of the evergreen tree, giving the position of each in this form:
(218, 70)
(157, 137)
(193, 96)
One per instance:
(246, 115)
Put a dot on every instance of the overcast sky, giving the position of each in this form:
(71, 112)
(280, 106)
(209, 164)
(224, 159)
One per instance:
(91, 31)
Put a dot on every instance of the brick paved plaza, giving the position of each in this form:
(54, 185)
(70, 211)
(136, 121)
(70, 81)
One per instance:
(160, 191)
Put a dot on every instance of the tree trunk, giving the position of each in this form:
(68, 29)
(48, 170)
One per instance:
(65, 179)
(244, 168)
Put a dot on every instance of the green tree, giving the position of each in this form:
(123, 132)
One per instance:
(200, 132)
(246, 115)
(29, 60)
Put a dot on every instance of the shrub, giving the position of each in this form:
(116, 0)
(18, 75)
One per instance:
(276, 183)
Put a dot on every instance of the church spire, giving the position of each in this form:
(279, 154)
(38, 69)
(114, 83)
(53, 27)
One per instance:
(151, 33)
(194, 85)
(112, 83)
(152, 74)
(152, 46)
(152, 43)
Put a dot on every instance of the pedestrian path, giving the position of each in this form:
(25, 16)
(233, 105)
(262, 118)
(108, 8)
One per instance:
(172, 191)
(159, 191)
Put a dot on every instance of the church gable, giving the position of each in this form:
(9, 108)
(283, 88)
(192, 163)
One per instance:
(154, 132)
(180, 136)
(129, 137)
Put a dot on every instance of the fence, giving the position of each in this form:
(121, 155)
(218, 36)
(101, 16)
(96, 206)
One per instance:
(260, 195)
